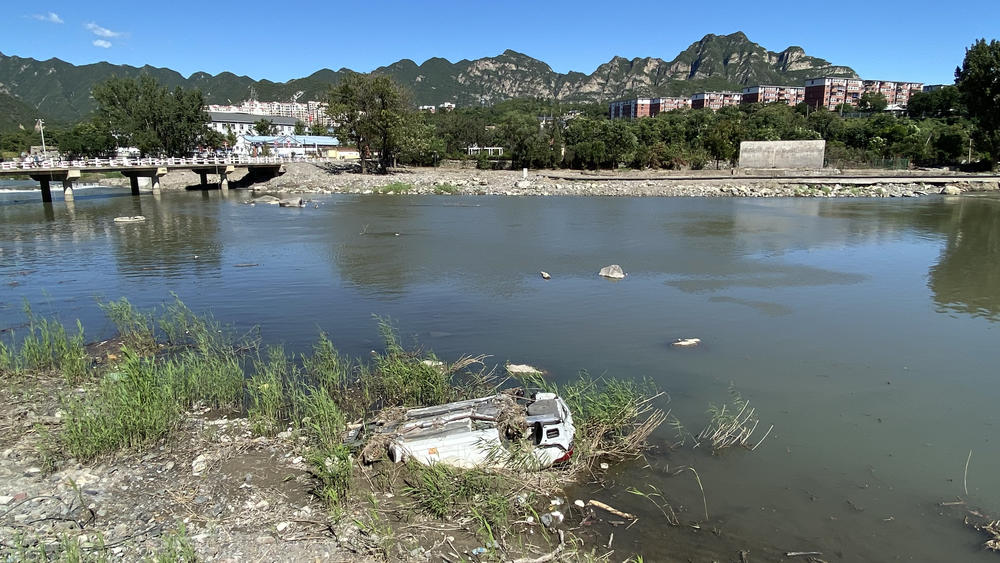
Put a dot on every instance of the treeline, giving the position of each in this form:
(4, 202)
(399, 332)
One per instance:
(539, 134)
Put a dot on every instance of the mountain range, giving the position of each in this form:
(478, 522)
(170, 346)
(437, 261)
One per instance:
(60, 91)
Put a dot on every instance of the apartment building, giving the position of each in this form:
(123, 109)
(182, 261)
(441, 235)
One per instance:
(830, 92)
(791, 95)
(309, 113)
(715, 100)
(645, 107)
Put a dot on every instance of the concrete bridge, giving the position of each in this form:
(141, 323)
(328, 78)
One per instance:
(67, 171)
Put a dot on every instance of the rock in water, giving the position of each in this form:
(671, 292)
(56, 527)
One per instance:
(686, 342)
(269, 199)
(613, 271)
(132, 219)
(951, 190)
(292, 202)
(545, 275)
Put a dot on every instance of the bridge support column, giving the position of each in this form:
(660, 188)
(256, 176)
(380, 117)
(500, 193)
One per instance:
(68, 190)
(133, 181)
(161, 171)
(46, 191)
(204, 178)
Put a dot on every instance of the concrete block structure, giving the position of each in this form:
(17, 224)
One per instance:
(243, 123)
(791, 95)
(715, 100)
(782, 154)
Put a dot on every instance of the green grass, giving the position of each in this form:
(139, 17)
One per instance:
(47, 348)
(445, 189)
(266, 388)
(394, 188)
(134, 328)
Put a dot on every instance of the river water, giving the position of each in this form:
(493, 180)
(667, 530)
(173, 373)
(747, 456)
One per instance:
(865, 331)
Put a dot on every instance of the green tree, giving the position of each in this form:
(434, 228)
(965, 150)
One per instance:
(942, 102)
(319, 129)
(87, 139)
(873, 102)
(143, 114)
(300, 127)
(978, 82)
(265, 127)
(372, 112)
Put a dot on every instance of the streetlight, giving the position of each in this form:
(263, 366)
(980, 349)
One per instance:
(40, 126)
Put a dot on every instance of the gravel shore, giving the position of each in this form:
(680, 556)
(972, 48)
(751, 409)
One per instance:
(320, 178)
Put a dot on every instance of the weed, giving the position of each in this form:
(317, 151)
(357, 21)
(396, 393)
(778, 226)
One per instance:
(394, 188)
(48, 347)
(135, 328)
(445, 189)
(177, 548)
(266, 390)
(132, 407)
(731, 424)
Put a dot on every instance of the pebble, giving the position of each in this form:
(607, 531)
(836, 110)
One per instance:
(263, 540)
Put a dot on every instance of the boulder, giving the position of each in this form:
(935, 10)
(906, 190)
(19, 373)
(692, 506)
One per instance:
(545, 275)
(686, 342)
(951, 190)
(268, 199)
(292, 202)
(521, 184)
(521, 369)
(613, 271)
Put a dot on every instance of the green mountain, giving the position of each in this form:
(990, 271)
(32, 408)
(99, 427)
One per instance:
(14, 112)
(61, 90)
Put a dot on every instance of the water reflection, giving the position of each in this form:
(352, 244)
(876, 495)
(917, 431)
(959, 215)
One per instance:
(966, 279)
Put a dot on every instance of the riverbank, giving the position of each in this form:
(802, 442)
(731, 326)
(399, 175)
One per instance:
(194, 446)
(314, 178)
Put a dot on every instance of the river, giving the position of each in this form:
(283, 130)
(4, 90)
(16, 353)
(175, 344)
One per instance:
(863, 330)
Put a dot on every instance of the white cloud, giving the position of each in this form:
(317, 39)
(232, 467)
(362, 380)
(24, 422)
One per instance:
(50, 17)
(102, 43)
(101, 31)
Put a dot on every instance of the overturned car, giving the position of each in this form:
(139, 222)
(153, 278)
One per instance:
(502, 430)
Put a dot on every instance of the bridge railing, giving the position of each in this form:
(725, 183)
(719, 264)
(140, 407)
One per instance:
(119, 163)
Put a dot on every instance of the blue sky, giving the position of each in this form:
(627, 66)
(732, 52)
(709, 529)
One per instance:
(916, 40)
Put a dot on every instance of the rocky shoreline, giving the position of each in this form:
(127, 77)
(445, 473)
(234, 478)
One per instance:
(318, 178)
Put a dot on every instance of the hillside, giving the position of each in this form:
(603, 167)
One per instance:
(61, 90)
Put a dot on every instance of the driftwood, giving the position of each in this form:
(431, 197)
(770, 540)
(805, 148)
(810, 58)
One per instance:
(611, 509)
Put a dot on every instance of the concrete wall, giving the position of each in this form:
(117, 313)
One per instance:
(782, 154)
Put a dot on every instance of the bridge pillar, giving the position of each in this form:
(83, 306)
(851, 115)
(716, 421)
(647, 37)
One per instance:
(204, 178)
(46, 191)
(162, 171)
(133, 181)
(67, 190)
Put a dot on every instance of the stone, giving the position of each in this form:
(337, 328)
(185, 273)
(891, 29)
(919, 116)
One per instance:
(292, 202)
(613, 271)
(545, 275)
(263, 540)
(522, 184)
(5, 500)
(951, 190)
(686, 342)
(199, 465)
(268, 199)
(521, 368)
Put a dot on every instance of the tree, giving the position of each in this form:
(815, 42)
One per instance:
(873, 102)
(319, 129)
(265, 127)
(88, 139)
(300, 127)
(372, 112)
(942, 102)
(978, 82)
(140, 113)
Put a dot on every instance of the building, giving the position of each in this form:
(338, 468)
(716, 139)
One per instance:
(446, 106)
(431, 109)
(645, 107)
(243, 123)
(308, 113)
(933, 87)
(830, 92)
(715, 100)
(791, 95)
(293, 146)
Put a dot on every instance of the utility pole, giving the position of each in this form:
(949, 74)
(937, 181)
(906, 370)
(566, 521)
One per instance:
(40, 125)
(970, 151)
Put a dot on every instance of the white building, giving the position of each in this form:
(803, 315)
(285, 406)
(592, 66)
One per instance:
(243, 123)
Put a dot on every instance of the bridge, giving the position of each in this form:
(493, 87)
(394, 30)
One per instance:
(67, 171)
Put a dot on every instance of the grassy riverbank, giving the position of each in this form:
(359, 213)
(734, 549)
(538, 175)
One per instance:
(173, 379)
